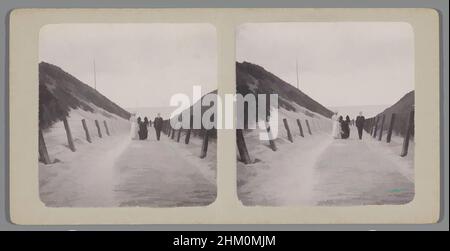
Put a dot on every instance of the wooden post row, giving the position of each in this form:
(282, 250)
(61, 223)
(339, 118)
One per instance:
(69, 135)
(271, 141)
(300, 127)
(86, 131)
(106, 127)
(376, 128)
(309, 128)
(43, 153)
(172, 136)
(242, 147)
(372, 123)
(369, 127)
(111, 128)
(381, 127)
(188, 133)
(179, 135)
(407, 135)
(391, 127)
(204, 149)
(99, 131)
(188, 136)
(289, 135)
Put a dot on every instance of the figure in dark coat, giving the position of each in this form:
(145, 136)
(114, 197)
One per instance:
(345, 125)
(139, 124)
(360, 124)
(340, 123)
(143, 128)
(157, 124)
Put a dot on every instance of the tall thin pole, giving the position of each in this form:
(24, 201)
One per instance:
(95, 77)
(296, 68)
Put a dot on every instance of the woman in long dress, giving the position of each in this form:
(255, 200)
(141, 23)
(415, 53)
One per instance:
(145, 128)
(134, 128)
(336, 132)
(345, 128)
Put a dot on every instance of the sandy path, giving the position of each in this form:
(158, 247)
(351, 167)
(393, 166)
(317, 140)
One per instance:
(152, 173)
(354, 172)
(317, 170)
(118, 172)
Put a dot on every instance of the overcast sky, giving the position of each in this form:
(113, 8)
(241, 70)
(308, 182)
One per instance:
(136, 64)
(340, 64)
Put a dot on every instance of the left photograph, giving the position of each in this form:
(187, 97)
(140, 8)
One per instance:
(108, 109)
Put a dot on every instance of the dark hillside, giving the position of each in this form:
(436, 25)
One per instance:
(252, 78)
(59, 92)
(401, 109)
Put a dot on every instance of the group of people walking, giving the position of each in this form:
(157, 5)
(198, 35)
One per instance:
(341, 126)
(139, 127)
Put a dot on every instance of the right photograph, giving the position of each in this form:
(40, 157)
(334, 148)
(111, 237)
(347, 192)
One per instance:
(325, 113)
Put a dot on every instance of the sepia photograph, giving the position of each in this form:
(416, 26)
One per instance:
(108, 131)
(341, 128)
(150, 118)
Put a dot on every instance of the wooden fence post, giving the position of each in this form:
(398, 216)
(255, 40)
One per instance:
(179, 135)
(188, 136)
(408, 133)
(372, 124)
(43, 153)
(368, 126)
(269, 134)
(69, 135)
(391, 127)
(106, 127)
(204, 143)
(376, 128)
(86, 131)
(242, 147)
(287, 130)
(309, 128)
(381, 127)
(98, 128)
(188, 133)
(300, 127)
